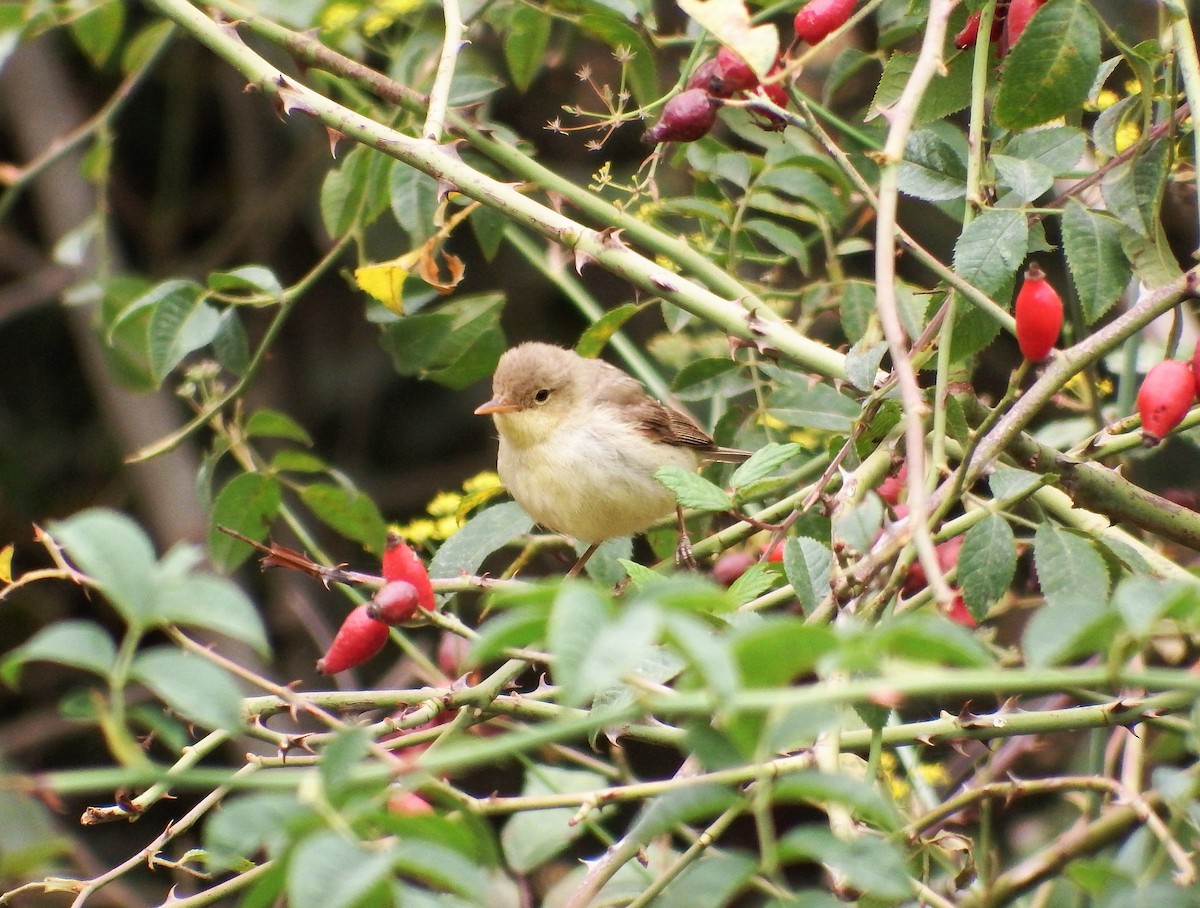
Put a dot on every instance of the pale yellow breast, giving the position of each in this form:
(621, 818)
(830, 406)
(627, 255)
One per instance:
(592, 481)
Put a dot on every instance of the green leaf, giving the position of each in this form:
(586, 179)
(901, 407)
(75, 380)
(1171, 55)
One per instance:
(532, 837)
(328, 870)
(987, 255)
(1009, 483)
(248, 503)
(859, 526)
(1074, 579)
(349, 511)
(720, 876)
(413, 197)
(871, 865)
(191, 685)
(808, 565)
(80, 644)
(12, 22)
(754, 581)
(340, 759)
(289, 460)
(444, 869)
(115, 552)
(177, 292)
(1058, 632)
(946, 94)
(931, 638)
(266, 423)
(694, 491)
(862, 364)
(344, 191)
(247, 824)
(986, 563)
(601, 331)
(483, 534)
(249, 279)
(688, 805)
(488, 225)
(1092, 242)
(577, 619)
(856, 303)
(1142, 601)
(705, 653)
(612, 654)
(1050, 70)
(230, 344)
(991, 248)
(475, 342)
(1134, 188)
(639, 574)
(457, 345)
(525, 44)
(934, 166)
(763, 463)
(1070, 570)
(1056, 147)
(1153, 261)
(823, 789)
(778, 650)
(782, 239)
(1025, 180)
(202, 600)
(817, 407)
(520, 627)
(703, 373)
(98, 31)
(181, 323)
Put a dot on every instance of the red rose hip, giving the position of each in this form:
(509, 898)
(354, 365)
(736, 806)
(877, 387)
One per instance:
(731, 74)
(1196, 368)
(400, 562)
(394, 603)
(685, 118)
(358, 639)
(730, 566)
(1164, 399)
(819, 18)
(1039, 314)
(1019, 14)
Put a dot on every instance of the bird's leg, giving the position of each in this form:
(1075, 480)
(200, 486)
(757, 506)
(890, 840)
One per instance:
(583, 559)
(683, 550)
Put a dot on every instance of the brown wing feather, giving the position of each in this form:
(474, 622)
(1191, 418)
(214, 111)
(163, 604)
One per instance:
(669, 426)
(655, 419)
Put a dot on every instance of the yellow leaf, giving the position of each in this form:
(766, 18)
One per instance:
(6, 556)
(384, 281)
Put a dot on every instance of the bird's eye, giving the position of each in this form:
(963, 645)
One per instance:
(542, 396)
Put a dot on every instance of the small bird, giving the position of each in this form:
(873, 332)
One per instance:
(580, 442)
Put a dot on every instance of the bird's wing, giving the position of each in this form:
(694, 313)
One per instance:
(659, 422)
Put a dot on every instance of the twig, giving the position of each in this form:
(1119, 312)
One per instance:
(901, 117)
(439, 94)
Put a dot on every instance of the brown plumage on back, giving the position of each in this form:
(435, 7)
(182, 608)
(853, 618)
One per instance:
(580, 442)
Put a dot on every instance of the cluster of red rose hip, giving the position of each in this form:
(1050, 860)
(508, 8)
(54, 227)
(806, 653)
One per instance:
(1166, 393)
(1009, 21)
(692, 113)
(364, 632)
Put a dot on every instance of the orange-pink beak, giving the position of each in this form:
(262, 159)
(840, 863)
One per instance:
(497, 405)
